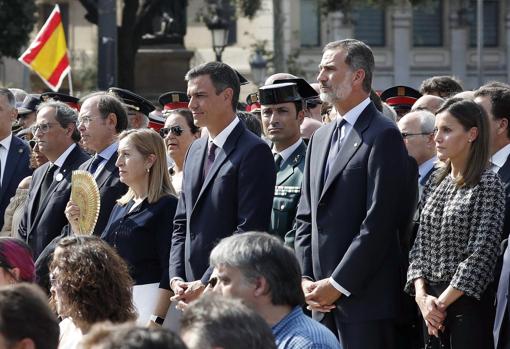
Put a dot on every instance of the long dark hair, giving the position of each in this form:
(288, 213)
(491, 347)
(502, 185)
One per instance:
(468, 114)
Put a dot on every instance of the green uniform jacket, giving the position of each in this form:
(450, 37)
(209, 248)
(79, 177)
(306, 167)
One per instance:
(286, 196)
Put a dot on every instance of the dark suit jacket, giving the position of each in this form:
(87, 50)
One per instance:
(39, 226)
(236, 196)
(504, 265)
(15, 169)
(347, 228)
(143, 237)
(110, 189)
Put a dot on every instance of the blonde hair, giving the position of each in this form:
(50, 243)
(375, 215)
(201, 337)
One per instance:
(147, 142)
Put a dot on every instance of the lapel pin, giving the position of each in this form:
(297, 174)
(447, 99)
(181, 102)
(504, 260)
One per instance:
(355, 144)
(20, 150)
(59, 177)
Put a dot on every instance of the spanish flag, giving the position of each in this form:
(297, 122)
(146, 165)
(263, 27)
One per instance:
(47, 55)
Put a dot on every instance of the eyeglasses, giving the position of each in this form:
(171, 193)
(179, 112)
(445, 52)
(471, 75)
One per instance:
(43, 127)
(85, 119)
(406, 135)
(175, 130)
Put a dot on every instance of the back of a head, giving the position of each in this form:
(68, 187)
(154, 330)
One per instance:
(278, 76)
(91, 274)
(15, 253)
(251, 122)
(26, 316)
(263, 255)
(214, 321)
(442, 86)
(128, 336)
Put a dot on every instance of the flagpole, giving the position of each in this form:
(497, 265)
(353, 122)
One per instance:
(70, 81)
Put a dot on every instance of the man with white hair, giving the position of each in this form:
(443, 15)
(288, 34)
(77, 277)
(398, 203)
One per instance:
(417, 129)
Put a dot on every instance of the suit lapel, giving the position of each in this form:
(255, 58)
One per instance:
(65, 171)
(107, 171)
(36, 187)
(290, 164)
(349, 147)
(504, 172)
(222, 155)
(194, 167)
(16, 149)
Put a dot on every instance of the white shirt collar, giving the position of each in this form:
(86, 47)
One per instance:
(109, 150)
(286, 153)
(221, 138)
(499, 157)
(6, 142)
(424, 168)
(352, 115)
(62, 158)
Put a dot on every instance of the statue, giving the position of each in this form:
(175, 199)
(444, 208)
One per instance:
(168, 25)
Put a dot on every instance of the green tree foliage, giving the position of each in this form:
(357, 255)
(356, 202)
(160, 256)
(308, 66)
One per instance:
(17, 19)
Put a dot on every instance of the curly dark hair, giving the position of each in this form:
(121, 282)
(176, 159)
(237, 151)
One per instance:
(94, 281)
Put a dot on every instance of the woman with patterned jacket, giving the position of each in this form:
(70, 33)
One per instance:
(453, 258)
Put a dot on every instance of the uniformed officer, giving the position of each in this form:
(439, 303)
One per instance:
(400, 98)
(282, 114)
(138, 107)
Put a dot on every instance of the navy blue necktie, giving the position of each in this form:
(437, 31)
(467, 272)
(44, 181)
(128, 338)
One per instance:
(95, 163)
(334, 147)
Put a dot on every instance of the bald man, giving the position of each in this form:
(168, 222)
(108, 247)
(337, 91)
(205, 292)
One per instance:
(428, 102)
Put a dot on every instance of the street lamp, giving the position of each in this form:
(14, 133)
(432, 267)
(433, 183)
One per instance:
(219, 30)
(258, 66)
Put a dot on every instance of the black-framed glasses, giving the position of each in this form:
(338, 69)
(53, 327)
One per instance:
(409, 134)
(175, 130)
(43, 127)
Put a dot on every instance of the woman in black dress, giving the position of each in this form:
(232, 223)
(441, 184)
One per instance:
(141, 223)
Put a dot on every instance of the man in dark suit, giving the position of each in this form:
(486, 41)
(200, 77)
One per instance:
(282, 114)
(348, 215)
(14, 153)
(496, 102)
(102, 117)
(49, 192)
(228, 180)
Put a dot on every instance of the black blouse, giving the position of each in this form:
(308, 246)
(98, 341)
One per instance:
(143, 238)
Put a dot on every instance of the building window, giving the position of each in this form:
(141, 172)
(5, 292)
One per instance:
(369, 25)
(310, 23)
(428, 24)
(490, 23)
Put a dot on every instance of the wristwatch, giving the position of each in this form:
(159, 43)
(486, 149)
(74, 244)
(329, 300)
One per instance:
(157, 320)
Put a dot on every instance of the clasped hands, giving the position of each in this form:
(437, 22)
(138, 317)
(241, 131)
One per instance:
(433, 312)
(185, 292)
(320, 295)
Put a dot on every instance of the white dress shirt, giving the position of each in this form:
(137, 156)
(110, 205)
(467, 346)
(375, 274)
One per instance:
(499, 158)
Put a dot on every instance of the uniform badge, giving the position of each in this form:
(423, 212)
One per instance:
(59, 177)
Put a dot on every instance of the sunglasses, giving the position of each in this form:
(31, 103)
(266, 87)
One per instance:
(175, 130)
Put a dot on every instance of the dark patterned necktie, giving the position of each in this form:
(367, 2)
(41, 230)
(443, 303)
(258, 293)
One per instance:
(211, 156)
(46, 182)
(334, 147)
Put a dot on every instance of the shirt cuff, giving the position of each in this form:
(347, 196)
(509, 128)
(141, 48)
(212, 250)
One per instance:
(175, 278)
(338, 287)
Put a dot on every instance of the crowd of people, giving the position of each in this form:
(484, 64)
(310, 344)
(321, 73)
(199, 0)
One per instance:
(315, 215)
